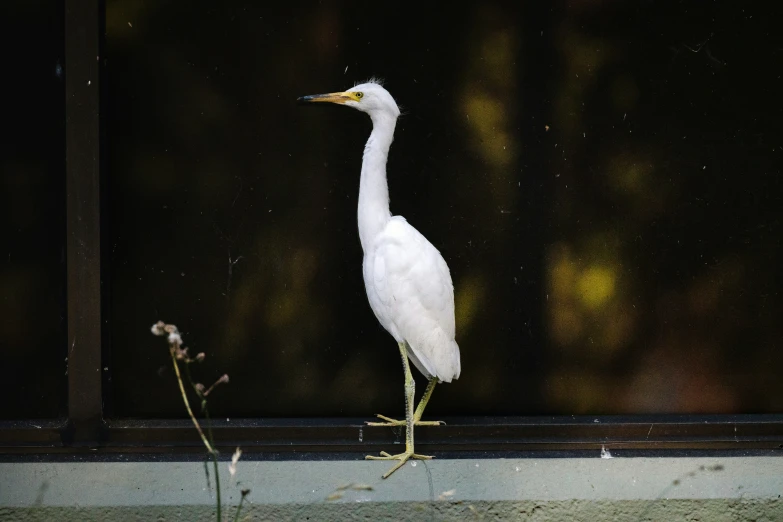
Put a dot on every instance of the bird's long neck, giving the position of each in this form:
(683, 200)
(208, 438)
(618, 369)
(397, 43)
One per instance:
(373, 211)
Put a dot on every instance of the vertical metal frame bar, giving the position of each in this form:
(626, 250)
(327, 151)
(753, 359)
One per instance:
(82, 143)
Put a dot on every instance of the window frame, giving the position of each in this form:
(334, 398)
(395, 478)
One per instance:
(87, 430)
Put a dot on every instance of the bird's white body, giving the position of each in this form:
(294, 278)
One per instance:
(408, 283)
(410, 291)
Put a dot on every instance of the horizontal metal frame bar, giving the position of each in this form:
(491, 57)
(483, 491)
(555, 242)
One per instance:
(482, 434)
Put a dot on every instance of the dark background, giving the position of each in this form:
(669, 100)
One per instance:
(603, 179)
(32, 210)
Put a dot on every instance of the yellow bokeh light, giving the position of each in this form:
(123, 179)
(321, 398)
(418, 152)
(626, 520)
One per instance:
(596, 286)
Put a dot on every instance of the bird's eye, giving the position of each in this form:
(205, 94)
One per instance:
(359, 94)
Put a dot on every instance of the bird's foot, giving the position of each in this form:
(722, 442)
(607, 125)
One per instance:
(395, 422)
(402, 457)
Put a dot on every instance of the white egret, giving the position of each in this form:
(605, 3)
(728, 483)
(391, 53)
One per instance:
(407, 281)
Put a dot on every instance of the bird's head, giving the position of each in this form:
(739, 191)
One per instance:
(368, 97)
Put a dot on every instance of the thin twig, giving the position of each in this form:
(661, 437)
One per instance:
(222, 380)
(187, 404)
(217, 485)
(209, 440)
(178, 353)
(241, 500)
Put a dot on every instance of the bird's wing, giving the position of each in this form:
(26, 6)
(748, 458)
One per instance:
(413, 283)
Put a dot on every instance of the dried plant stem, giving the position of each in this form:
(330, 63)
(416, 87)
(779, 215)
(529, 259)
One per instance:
(239, 508)
(217, 484)
(178, 353)
(209, 439)
(187, 405)
(241, 501)
(206, 442)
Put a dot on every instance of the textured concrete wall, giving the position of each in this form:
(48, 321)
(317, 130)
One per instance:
(575, 510)
(492, 489)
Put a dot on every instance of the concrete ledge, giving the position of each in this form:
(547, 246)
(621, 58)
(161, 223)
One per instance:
(726, 488)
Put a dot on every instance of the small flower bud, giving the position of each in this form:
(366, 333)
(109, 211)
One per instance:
(157, 328)
(222, 380)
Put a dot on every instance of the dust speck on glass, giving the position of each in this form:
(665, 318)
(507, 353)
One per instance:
(603, 180)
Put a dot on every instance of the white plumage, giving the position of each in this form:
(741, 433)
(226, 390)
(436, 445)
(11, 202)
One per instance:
(410, 291)
(407, 281)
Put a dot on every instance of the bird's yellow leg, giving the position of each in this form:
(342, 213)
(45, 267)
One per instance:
(410, 389)
(416, 415)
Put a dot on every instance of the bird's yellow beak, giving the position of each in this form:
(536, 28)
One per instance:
(332, 97)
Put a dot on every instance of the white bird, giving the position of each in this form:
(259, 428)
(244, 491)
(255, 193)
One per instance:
(407, 281)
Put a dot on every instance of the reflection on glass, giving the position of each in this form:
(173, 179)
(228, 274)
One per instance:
(608, 200)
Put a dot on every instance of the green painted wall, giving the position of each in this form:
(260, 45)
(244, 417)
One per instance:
(663, 489)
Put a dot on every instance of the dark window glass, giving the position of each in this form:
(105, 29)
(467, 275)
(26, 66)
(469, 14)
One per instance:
(32, 211)
(603, 180)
